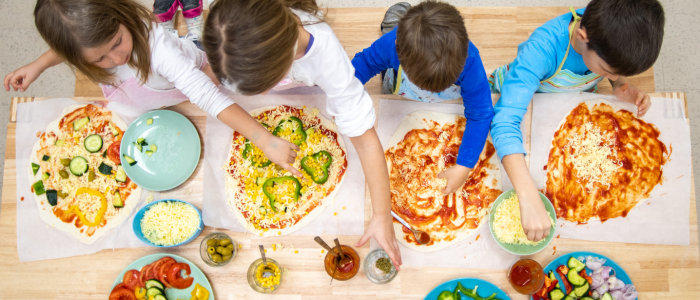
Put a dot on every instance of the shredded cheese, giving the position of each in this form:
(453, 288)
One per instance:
(507, 226)
(169, 223)
(594, 156)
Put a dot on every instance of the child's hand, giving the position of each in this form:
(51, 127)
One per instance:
(381, 228)
(533, 216)
(456, 176)
(632, 94)
(281, 152)
(21, 78)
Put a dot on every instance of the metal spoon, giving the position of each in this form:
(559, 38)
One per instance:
(344, 259)
(421, 237)
(266, 272)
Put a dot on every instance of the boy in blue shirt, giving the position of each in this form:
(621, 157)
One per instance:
(430, 46)
(609, 39)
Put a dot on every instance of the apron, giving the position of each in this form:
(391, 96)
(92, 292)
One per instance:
(562, 81)
(391, 84)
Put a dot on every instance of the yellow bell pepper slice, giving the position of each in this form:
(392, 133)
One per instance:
(199, 292)
(100, 213)
(140, 293)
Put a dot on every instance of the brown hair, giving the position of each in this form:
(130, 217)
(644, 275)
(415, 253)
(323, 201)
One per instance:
(69, 25)
(432, 45)
(249, 43)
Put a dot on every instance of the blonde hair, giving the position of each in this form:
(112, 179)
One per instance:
(70, 25)
(249, 43)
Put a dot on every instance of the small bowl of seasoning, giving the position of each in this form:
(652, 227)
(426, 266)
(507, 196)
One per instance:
(378, 267)
(217, 249)
(345, 272)
(264, 278)
(526, 276)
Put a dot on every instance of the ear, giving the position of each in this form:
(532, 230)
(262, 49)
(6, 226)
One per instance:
(582, 35)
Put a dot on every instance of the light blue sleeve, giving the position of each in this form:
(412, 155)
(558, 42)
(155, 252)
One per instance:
(536, 59)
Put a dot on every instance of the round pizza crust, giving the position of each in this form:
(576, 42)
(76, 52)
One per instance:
(46, 210)
(422, 120)
(308, 218)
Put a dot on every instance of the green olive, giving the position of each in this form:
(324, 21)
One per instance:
(226, 257)
(211, 250)
(229, 247)
(224, 242)
(65, 162)
(91, 176)
(212, 242)
(63, 174)
(61, 194)
(220, 249)
(225, 251)
(216, 258)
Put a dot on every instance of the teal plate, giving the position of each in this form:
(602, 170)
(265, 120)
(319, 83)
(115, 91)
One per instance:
(170, 293)
(176, 157)
(522, 249)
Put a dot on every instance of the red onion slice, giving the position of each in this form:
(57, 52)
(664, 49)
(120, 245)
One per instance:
(595, 294)
(593, 265)
(630, 296)
(616, 295)
(597, 280)
(602, 289)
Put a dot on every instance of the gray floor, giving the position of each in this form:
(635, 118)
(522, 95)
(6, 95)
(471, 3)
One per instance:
(677, 70)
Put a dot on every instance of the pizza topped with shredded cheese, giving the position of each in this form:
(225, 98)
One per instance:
(267, 199)
(603, 162)
(425, 144)
(76, 173)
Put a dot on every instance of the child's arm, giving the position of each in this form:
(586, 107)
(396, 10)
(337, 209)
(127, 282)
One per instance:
(381, 227)
(630, 93)
(534, 217)
(375, 59)
(21, 78)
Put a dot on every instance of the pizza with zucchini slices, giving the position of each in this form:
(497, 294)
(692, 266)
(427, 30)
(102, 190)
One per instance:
(267, 199)
(76, 174)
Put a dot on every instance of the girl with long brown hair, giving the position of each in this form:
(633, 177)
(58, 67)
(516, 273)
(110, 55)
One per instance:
(119, 45)
(255, 46)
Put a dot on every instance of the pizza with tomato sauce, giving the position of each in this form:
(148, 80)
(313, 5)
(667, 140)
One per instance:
(76, 174)
(267, 199)
(425, 144)
(603, 162)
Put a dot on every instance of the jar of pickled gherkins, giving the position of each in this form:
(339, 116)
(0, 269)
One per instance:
(217, 249)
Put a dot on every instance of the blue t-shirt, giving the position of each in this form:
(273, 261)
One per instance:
(476, 94)
(538, 59)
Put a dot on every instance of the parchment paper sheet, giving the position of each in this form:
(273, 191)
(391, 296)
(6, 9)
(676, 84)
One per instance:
(217, 144)
(479, 251)
(36, 240)
(665, 220)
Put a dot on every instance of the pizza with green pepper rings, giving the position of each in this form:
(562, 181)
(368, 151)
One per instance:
(270, 201)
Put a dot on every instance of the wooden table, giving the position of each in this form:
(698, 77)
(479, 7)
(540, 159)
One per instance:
(658, 271)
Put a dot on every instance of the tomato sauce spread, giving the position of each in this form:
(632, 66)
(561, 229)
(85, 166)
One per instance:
(416, 192)
(526, 276)
(636, 151)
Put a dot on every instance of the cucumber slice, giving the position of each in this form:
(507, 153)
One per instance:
(138, 147)
(556, 294)
(113, 128)
(117, 200)
(309, 131)
(576, 264)
(262, 209)
(78, 165)
(129, 160)
(93, 143)
(151, 293)
(52, 197)
(149, 122)
(80, 123)
(59, 143)
(153, 283)
(39, 188)
(141, 141)
(159, 297)
(606, 296)
(45, 176)
(149, 153)
(105, 169)
(153, 148)
(45, 158)
(587, 298)
(574, 278)
(261, 180)
(121, 175)
(569, 298)
(581, 291)
(35, 168)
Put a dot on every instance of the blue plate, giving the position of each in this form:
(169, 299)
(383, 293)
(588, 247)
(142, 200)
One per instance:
(485, 288)
(564, 259)
(177, 154)
(171, 293)
(139, 215)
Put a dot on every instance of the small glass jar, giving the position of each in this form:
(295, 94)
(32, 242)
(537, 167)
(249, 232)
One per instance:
(255, 279)
(374, 274)
(208, 242)
(331, 264)
(526, 276)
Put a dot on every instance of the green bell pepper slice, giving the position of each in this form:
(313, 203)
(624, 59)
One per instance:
(447, 295)
(248, 154)
(270, 184)
(472, 293)
(297, 128)
(316, 165)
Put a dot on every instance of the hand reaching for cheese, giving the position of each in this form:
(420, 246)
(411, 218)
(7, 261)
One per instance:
(456, 176)
(533, 215)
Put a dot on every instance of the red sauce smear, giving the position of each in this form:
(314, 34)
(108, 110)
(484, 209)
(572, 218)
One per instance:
(21, 199)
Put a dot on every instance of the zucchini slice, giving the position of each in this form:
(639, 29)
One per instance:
(105, 169)
(141, 141)
(52, 197)
(80, 123)
(59, 143)
(113, 128)
(78, 165)
(121, 175)
(45, 158)
(45, 176)
(261, 180)
(576, 264)
(129, 160)
(117, 200)
(138, 147)
(149, 153)
(153, 148)
(93, 143)
(35, 168)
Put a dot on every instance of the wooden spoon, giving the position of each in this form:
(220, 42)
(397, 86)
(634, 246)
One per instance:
(344, 259)
(421, 237)
(325, 246)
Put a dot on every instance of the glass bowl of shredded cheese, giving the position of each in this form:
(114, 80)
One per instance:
(168, 223)
(507, 229)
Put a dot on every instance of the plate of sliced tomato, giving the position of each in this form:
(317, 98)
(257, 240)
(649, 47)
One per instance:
(161, 277)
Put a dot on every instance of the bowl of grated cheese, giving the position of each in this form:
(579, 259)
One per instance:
(507, 229)
(168, 223)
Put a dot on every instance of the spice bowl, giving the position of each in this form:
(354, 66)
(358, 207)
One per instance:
(374, 274)
(213, 240)
(331, 263)
(255, 280)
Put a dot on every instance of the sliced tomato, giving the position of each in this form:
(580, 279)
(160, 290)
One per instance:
(113, 153)
(163, 272)
(131, 279)
(142, 275)
(120, 286)
(176, 280)
(122, 294)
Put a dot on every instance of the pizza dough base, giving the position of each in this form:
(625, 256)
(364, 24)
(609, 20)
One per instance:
(46, 210)
(416, 120)
(308, 218)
